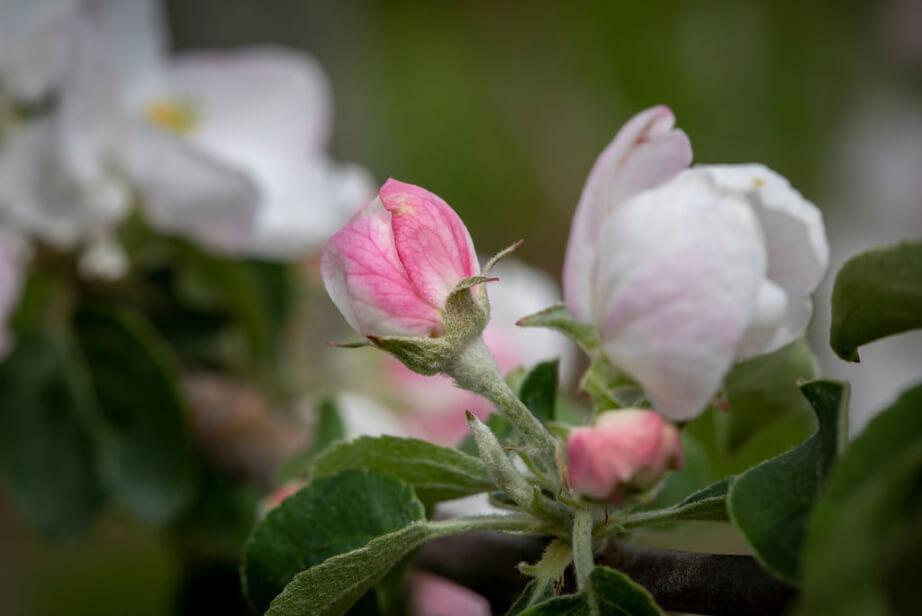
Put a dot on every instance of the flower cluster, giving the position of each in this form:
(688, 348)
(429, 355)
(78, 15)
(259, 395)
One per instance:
(678, 271)
(226, 148)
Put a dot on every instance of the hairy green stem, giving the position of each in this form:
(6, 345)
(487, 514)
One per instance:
(475, 369)
(470, 524)
(583, 559)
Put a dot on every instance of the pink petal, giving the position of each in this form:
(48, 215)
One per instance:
(366, 280)
(646, 152)
(434, 245)
(679, 287)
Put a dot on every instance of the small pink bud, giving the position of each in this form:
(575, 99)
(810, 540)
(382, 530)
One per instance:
(625, 450)
(391, 268)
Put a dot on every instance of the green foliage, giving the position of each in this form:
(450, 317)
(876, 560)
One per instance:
(46, 450)
(706, 505)
(557, 318)
(330, 516)
(539, 390)
(764, 389)
(770, 502)
(864, 540)
(500, 427)
(330, 588)
(145, 447)
(877, 293)
(609, 592)
(436, 473)
(329, 429)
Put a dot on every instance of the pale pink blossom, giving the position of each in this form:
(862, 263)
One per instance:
(390, 270)
(624, 450)
(686, 271)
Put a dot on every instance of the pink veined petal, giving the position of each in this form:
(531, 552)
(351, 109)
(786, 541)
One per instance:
(646, 152)
(434, 245)
(679, 286)
(366, 280)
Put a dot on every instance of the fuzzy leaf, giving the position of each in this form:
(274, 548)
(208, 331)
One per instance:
(436, 473)
(328, 517)
(539, 390)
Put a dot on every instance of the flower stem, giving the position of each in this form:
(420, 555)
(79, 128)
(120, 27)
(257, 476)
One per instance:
(583, 559)
(475, 369)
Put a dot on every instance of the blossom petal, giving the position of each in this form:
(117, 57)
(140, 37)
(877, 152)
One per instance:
(366, 280)
(434, 245)
(679, 285)
(305, 201)
(646, 152)
(254, 99)
(189, 193)
(795, 238)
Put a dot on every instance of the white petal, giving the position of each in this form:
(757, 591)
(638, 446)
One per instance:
(37, 41)
(187, 192)
(305, 202)
(645, 152)
(795, 237)
(254, 100)
(679, 277)
(103, 258)
(41, 195)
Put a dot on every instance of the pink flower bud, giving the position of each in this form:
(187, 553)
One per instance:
(624, 450)
(390, 270)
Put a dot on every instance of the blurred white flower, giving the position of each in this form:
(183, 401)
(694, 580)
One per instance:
(225, 148)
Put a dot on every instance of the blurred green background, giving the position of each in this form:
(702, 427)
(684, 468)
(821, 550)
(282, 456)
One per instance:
(501, 109)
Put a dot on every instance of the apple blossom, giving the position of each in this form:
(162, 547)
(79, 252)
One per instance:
(392, 268)
(684, 272)
(624, 450)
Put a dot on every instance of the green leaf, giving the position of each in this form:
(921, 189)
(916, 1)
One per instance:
(610, 593)
(865, 535)
(706, 505)
(539, 390)
(330, 588)
(877, 293)
(763, 389)
(500, 427)
(330, 516)
(436, 473)
(46, 451)
(328, 429)
(145, 444)
(769, 503)
(557, 318)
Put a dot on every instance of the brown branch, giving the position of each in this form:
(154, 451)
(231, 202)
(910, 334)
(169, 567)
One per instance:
(712, 584)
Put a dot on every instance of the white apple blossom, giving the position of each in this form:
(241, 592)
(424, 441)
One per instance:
(225, 148)
(686, 271)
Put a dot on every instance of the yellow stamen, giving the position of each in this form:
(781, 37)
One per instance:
(175, 116)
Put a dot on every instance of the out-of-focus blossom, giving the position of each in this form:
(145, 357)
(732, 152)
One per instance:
(391, 269)
(37, 40)
(436, 404)
(685, 272)
(623, 450)
(435, 596)
(225, 148)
